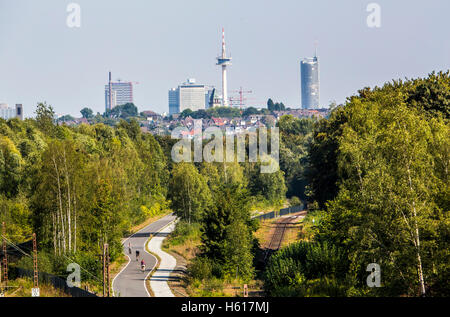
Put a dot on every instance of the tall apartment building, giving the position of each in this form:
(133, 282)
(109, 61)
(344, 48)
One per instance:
(189, 95)
(7, 112)
(310, 85)
(121, 93)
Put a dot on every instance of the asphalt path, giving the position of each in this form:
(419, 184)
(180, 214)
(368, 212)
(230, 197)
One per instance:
(130, 282)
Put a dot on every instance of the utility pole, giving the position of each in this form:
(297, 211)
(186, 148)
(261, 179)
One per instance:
(106, 271)
(2, 291)
(35, 290)
(5, 257)
(1, 288)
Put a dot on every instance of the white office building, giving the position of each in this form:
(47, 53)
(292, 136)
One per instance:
(189, 95)
(7, 112)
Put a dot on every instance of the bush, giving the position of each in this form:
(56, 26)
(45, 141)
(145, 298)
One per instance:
(183, 232)
(45, 261)
(213, 285)
(200, 269)
(307, 269)
(295, 201)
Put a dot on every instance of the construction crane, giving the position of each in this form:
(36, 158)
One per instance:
(241, 101)
(119, 80)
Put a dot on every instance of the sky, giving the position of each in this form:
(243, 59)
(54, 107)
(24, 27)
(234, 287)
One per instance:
(162, 43)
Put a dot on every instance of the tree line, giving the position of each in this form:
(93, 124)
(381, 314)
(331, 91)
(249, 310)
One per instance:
(378, 185)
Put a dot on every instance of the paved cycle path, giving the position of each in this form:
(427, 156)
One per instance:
(130, 282)
(159, 280)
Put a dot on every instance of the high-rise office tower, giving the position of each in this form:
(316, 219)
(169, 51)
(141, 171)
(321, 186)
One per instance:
(310, 85)
(118, 93)
(188, 95)
(174, 105)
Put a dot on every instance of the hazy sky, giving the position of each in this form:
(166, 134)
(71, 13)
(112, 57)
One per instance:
(162, 43)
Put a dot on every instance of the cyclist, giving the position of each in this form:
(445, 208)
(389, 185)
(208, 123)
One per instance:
(137, 255)
(142, 265)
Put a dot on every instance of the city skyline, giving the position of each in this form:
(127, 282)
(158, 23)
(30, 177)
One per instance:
(44, 60)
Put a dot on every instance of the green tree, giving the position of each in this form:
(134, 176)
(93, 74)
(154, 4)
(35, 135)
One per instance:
(87, 113)
(386, 209)
(190, 195)
(45, 116)
(186, 113)
(432, 94)
(296, 136)
(270, 105)
(11, 165)
(269, 186)
(125, 111)
(227, 232)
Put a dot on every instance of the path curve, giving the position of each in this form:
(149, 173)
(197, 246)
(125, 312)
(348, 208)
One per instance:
(159, 280)
(130, 282)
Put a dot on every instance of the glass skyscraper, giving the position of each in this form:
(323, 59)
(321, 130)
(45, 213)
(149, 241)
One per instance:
(309, 68)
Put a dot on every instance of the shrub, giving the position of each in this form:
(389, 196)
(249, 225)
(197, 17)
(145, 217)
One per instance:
(200, 269)
(307, 269)
(183, 232)
(295, 201)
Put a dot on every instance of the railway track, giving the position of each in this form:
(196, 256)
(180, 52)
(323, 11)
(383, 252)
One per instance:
(278, 235)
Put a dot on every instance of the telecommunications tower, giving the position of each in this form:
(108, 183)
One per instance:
(224, 61)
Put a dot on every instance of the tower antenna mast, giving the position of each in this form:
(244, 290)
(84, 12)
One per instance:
(224, 61)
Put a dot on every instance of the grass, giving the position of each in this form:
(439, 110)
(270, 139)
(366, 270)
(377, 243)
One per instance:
(21, 287)
(260, 207)
(215, 287)
(184, 240)
(264, 233)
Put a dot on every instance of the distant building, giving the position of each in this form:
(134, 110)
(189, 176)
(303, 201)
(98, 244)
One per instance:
(7, 112)
(212, 98)
(19, 111)
(190, 95)
(174, 105)
(121, 93)
(310, 86)
(151, 115)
